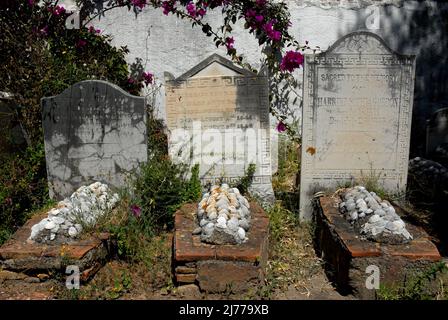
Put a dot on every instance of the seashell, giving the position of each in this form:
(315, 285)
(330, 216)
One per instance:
(221, 223)
(241, 234)
(233, 224)
(212, 215)
(72, 232)
(50, 225)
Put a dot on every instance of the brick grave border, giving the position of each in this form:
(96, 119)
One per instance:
(20, 255)
(220, 268)
(347, 256)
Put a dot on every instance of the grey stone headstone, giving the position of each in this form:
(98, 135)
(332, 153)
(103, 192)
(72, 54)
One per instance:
(93, 131)
(436, 130)
(357, 112)
(218, 117)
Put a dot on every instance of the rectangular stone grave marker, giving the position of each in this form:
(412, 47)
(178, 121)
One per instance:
(94, 131)
(218, 117)
(357, 111)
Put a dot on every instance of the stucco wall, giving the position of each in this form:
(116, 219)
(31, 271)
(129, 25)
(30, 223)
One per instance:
(166, 43)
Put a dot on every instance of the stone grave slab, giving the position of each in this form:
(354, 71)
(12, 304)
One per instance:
(20, 255)
(347, 256)
(215, 268)
(356, 121)
(94, 131)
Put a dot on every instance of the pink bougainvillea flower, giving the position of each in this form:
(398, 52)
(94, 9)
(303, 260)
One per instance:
(139, 3)
(291, 61)
(259, 18)
(58, 10)
(229, 42)
(191, 9)
(270, 32)
(261, 3)
(168, 6)
(131, 80)
(281, 127)
(201, 12)
(93, 30)
(251, 13)
(44, 31)
(148, 78)
(275, 35)
(136, 211)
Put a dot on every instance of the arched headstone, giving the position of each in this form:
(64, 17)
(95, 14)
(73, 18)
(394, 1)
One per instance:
(94, 131)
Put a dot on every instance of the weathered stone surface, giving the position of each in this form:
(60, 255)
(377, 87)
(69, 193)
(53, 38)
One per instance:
(347, 256)
(218, 115)
(221, 276)
(243, 264)
(357, 111)
(185, 278)
(189, 291)
(18, 254)
(94, 131)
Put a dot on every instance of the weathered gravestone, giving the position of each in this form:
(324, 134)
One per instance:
(94, 131)
(218, 117)
(356, 118)
(437, 131)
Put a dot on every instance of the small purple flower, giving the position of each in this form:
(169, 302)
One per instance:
(44, 31)
(229, 43)
(136, 211)
(148, 78)
(191, 9)
(281, 127)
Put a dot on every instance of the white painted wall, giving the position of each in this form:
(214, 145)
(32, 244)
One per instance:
(166, 43)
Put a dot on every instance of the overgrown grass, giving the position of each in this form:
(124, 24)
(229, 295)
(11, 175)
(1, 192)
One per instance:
(292, 260)
(428, 284)
(288, 166)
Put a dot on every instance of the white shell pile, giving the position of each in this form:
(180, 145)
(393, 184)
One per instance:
(377, 218)
(83, 207)
(223, 216)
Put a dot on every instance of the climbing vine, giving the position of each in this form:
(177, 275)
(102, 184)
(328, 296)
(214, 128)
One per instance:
(268, 21)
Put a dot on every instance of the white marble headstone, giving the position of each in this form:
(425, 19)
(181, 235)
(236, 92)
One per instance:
(357, 112)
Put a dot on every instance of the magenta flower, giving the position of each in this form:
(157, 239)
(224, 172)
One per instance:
(131, 80)
(291, 61)
(229, 43)
(191, 9)
(93, 30)
(270, 32)
(259, 18)
(58, 10)
(201, 12)
(44, 31)
(251, 13)
(148, 78)
(136, 211)
(281, 127)
(139, 3)
(168, 6)
(261, 3)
